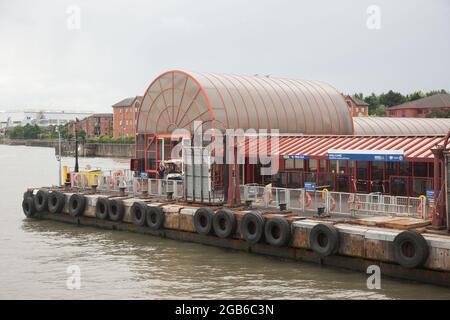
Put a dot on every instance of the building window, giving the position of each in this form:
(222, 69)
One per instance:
(362, 109)
(120, 122)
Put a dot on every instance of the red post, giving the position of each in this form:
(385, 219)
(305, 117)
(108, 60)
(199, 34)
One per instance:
(438, 220)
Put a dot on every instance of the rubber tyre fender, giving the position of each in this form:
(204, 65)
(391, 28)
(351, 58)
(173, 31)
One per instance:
(77, 205)
(101, 208)
(116, 210)
(203, 220)
(28, 207)
(56, 202)
(277, 232)
(324, 240)
(252, 227)
(155, 218)
(41, 201)
(417, 246)
(27, 194)
(224, 223)
(139, 213)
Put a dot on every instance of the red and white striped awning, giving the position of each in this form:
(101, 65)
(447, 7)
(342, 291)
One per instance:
(413, 147)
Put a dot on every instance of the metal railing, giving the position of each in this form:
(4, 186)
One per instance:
(336, 202)
(267, 196)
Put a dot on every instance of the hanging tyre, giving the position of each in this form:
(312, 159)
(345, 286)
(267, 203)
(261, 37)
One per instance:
(77, 204)
(252, 227)
(155, 218)
(410, 249)
(28, 207)
(101, 208)
(277, 232)
(116, 210)
(27, 194)
(224, 223)
(138, 213)
(203, 221)
(324, 240)
(41, 201)
(56, 202)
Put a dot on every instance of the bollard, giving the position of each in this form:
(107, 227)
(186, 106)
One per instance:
(94, 188)
(122, 190)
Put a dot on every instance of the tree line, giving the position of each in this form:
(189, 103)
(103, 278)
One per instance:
(379, 103)
(33, 131)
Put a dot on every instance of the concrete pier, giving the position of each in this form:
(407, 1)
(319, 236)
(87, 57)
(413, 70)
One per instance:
(361, 242)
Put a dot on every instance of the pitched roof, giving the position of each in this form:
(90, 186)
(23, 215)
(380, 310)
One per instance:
(127, 102)
(413, 147)
(357, 101)
(434, 101)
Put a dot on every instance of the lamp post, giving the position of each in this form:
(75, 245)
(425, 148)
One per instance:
(76, 146)
(58, 157)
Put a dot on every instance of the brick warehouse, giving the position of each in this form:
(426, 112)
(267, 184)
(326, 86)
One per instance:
(95, 125)
(125, 116)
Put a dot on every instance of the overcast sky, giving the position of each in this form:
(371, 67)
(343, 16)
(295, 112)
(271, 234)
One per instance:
(121, 46)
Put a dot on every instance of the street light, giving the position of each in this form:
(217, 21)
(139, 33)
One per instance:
(58, 156)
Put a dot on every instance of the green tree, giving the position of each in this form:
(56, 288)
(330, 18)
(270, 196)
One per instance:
(392, 98)
(433, 92)
(415, 96)
(373, 102)
(438, 114)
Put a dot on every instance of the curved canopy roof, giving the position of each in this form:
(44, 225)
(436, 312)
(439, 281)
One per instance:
(176, 99)
(400, 126)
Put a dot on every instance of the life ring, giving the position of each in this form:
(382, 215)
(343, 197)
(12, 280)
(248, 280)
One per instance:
(350, 201)
(138, 186)
(118, 173)
(308, 199)
(333, 203)
(324, 191)
(357, 202)
(420, 207)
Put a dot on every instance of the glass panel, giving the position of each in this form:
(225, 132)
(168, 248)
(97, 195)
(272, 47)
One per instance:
(332, 165)
(289, 164)
(420, 169)
(342, 166)
(361, 167)
(299, 164)
(312, 165)
(405, 169)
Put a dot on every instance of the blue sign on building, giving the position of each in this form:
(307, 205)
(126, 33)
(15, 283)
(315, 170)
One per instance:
(310, 186)
(366, 155)
(430, 194)
(144, 175)
(298, 156)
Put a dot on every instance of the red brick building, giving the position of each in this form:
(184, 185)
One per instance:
(95, 125)
(358, 108)
(421, 107)
(125, 115)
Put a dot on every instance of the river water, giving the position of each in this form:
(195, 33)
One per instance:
(35, 255)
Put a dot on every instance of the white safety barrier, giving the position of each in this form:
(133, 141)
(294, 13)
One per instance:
(336, 202)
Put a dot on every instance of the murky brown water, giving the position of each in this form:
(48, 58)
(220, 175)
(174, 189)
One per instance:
(34, 256)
